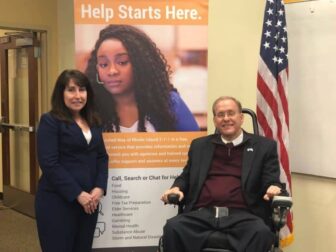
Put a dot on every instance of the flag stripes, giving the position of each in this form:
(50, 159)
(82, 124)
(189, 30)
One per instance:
(272, 103)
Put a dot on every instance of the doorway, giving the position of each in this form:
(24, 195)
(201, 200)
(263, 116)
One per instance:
(19, 77)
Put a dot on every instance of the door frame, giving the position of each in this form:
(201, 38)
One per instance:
(13, 197)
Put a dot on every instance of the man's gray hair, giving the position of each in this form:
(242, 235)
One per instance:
(223, 98)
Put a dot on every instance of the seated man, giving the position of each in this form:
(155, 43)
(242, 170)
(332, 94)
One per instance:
(235, 171)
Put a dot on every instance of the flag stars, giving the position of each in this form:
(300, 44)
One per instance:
(269, 22)
(267, 45)
(277, 60)
(276, 36)
(270, 12)
(267, 34)
(274, 40)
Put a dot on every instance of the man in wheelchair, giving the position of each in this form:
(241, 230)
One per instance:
(226, 186)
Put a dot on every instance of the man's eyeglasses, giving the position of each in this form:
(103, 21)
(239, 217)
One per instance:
(229, 114)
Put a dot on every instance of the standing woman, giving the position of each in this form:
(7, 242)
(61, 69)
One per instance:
(74, 166)
(130, 77)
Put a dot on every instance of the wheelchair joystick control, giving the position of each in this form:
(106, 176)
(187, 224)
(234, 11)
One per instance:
(173, 198)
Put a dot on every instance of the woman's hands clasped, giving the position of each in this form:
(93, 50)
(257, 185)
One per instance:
(90, 201)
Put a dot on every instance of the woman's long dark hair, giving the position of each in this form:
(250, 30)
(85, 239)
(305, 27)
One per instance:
(151, 80)
(58, 107)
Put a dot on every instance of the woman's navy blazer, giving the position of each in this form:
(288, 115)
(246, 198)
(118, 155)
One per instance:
(69, 164)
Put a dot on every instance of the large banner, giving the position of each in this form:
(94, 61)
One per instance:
(147, 62)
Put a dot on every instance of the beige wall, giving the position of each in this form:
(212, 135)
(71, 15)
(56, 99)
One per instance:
(234, 38)
(66, 35)
(314, 210)
(35, 15)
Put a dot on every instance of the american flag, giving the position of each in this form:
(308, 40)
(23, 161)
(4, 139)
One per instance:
(272, 82)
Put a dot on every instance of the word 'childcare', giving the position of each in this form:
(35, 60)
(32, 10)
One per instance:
(129, 12)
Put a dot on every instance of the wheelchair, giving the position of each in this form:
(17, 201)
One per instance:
(217, 241)
(280, 207)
